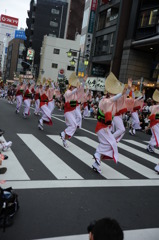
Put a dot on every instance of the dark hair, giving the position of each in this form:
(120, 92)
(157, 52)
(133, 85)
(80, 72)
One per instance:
(91, 226)
(107, 229)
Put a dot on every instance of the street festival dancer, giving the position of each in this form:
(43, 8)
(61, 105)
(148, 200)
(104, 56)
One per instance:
(70, 108)
(138, 104)
(37, 98)
(154, 126)
(107, 148)
(46, 112)
(27, 99)
(120, 106)
(19, 95)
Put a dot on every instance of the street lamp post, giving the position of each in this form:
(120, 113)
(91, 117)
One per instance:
(73, 60)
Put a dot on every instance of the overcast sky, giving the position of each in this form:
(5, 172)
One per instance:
(17, 9)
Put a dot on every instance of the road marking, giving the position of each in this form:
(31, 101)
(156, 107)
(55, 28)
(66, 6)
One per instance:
(137, 167)
(55, 165)
(140, 145)
(146, 156)
(15, 170)
(53, 184)
(87, 158)
(146, 234)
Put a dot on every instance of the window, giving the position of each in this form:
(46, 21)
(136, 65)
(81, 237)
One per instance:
(104, 44)
(70, 68)
(112, 14)
(55, 11)
(54, 65)
(148, 18)
(74, 54)
(53, 24)
(101, 21)
(56, 51)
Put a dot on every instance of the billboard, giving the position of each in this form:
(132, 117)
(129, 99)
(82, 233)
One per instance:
(20, 34)
(9, 20)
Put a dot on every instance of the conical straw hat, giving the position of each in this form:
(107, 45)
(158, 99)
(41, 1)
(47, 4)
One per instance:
(73, 80)
(113, 85)
(137, 94)
(155, 96)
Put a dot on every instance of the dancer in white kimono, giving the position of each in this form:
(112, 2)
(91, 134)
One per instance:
(70, 109)
(154, 126)
(46, 112)
(27, 99)
(107, 148)
(19, 95)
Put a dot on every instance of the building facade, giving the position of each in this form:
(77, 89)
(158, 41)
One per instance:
(8, 25)
(126, 40)
(54, 62)
(45, 17)
(14, 58)
(56, 18)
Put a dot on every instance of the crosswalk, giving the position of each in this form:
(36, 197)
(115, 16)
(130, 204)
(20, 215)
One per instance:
(135, 167)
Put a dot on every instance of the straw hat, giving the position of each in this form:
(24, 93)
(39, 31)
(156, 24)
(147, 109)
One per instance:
(113, 85)
(73, 80)
(137, 94)
(155, 96)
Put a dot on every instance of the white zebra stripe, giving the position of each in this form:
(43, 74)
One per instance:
(86, 158)
(146, 156)
(15, 170)
(55, 165)
(139, 145)
(137, 167)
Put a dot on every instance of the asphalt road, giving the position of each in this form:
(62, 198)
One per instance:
(52, 206)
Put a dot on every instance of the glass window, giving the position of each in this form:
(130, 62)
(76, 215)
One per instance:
(55, 11)
(54, 65)
(104, 45)
(70, 68)
(74, 54)
(112, 14)
(101, 21)
(53, 24)
(154, 14)
(148, 18)
(56, 51)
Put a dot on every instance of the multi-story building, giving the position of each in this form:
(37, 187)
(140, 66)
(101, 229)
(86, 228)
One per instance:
(8, 25)
(14, 58)
(126, 39)
(56, 18)
(74, 18)
(54, 62)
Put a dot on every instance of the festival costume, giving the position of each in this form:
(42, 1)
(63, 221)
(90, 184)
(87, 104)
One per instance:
(19, 96)
(80, 94)
(107, 147)
(27, 99)
(86, 98)
(46, 113)
(154, 125)
(37, 101)
(121, 108)
(138, 104)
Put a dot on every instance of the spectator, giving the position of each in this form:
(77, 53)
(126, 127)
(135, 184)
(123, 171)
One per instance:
(105, 229)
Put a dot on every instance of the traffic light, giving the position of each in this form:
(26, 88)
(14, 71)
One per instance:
(25, 65)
